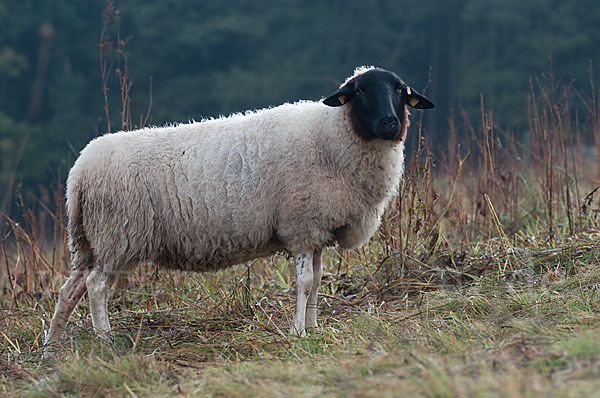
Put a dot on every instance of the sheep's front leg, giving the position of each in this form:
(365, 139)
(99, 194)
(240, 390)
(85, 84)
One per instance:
(311, 307)
(304, 282)
(98, 284)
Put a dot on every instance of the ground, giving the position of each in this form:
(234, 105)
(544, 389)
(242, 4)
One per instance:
(531, 332)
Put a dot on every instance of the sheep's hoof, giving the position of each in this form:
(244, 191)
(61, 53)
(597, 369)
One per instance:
(48, 352)
(108, 340)
(105, 337)
(313, 330)
(295, 332)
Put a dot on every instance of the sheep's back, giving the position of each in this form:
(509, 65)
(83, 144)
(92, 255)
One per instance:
(197, 196)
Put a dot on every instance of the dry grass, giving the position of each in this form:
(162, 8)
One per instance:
(530, 334)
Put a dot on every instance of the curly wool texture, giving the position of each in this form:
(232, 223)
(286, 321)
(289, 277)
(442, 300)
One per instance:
(210, 194)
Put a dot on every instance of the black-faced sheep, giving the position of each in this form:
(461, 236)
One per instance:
(202, 196)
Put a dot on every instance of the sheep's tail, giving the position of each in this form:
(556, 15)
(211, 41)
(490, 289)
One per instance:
(78, 244)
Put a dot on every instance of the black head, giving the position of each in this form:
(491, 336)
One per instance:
(378, 100)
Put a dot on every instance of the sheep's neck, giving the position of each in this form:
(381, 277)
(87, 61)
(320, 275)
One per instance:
(372, 166)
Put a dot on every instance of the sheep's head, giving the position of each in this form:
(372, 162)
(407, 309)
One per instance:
(378, 100)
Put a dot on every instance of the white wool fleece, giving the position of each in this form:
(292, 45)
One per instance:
(210, 194)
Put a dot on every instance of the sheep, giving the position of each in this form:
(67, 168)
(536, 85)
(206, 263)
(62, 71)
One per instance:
(202, 196)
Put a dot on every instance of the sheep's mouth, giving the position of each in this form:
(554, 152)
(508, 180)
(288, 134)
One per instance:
(389, 133)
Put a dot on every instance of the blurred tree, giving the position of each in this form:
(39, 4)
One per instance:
(505, 44)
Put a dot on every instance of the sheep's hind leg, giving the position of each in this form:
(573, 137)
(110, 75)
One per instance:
(98, 284)
(311, 306)
(304, 282)
(68, 297)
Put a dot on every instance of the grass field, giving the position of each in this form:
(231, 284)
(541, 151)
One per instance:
(483, 280)
(529, 333)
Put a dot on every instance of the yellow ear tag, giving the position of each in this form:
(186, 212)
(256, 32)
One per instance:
(342, 99)
(413, 101)
(408, 91)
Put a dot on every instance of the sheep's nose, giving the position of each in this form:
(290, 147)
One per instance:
(389, 121)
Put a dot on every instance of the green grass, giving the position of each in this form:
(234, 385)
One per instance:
(180, 334)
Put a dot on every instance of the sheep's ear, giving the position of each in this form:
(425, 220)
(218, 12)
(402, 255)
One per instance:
(342, 96)
(417, 100)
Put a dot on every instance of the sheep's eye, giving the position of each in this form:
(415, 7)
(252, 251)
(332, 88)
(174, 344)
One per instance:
(360, 91)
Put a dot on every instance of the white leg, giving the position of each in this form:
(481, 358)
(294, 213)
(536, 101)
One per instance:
(98, 284)
(68, 297)
(304, 281)
(311, 307)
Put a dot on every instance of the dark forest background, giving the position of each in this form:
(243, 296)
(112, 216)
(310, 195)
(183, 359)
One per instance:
(205, 58)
